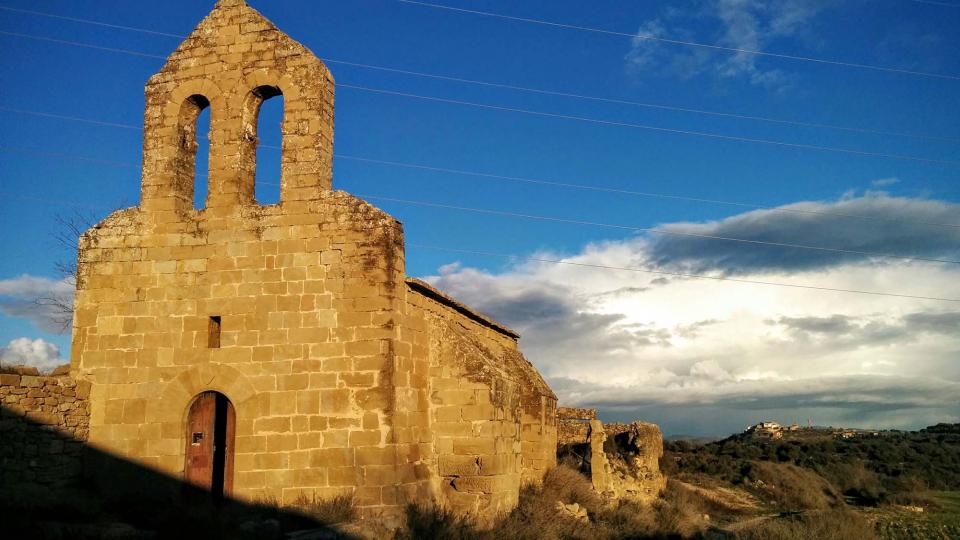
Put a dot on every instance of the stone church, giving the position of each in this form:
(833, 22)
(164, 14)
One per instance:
(269, 351)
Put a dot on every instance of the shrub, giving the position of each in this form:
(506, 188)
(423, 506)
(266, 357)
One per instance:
(855, 480)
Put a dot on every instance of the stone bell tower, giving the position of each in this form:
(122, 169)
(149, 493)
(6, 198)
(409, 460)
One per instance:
(232, 62)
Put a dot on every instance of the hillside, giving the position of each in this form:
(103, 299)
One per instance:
(905, 482)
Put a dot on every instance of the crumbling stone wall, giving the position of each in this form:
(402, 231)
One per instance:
(44, 422)
(622, 460)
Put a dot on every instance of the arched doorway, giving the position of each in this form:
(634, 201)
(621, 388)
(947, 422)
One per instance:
(211, 423)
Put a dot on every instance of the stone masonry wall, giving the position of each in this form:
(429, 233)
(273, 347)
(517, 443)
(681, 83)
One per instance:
(487, 406)
(44, 422)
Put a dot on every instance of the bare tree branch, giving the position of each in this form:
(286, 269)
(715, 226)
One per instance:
(67, 235)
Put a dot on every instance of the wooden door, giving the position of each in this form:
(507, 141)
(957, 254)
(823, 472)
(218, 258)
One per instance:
(209, 447)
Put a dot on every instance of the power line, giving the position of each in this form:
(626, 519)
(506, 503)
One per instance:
(534, 181)
(69, 157)
(541, 91)
(71, 118)
(89, 21)
(84, 45)
(935, 3)
(681, 42)
(678, 274)
(622, 268)
(639, 193)
(651, 230)
(652, 128)
(56, 202)
(659, 106)
(562, 116)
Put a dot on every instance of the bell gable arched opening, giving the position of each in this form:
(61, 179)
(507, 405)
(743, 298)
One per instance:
(261, 149)
(210, 433)
(194, 119)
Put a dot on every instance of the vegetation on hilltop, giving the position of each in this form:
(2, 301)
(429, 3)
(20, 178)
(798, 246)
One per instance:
(892, 466)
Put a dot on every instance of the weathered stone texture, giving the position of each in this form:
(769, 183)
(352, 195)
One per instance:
(622, 460)
(576, 413)
(634, 451)
(44, 422)
(346, 377)
(491, 414)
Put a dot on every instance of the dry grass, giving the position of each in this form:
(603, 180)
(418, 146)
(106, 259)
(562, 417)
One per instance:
(536, 517)
(821, 525)
(792, 488)
(325, 511)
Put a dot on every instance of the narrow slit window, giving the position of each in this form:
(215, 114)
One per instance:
(214, 333)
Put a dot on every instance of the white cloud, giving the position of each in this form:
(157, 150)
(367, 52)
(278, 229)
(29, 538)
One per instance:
(660, 347)
(44, 302)
(748, 25)
(37, 353)
(884, 182)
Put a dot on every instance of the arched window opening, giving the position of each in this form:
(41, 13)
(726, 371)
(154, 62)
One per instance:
(201, 183)
(193, 127)
(270, 140)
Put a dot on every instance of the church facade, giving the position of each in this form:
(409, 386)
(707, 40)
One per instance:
(278, 351)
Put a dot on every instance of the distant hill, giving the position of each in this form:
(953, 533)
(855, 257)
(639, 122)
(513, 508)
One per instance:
(869, 466)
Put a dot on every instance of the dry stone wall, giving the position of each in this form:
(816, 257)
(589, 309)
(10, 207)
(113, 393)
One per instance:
(44, 422)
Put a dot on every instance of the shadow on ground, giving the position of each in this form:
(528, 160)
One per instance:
(53, 487)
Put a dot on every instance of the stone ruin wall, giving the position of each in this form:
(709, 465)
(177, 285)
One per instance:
(44, 422)
(622, 460)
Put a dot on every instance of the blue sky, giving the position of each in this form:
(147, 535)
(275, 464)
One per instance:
(108, 87)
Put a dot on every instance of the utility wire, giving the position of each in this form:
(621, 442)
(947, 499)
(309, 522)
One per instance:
(70, 118)
(676, 274)
(541, 91)
(534, 181)
(84, 45)
(604, 267)
(710, 46)
(935, 3)
(651, 230)
(659, 106)
(618, 191)
(563, 116)
(587, 265)
(594, 266)
(651, 128)
(89, 21)
(69, 157)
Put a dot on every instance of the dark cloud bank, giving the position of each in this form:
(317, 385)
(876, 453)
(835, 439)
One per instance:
(906, 228)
